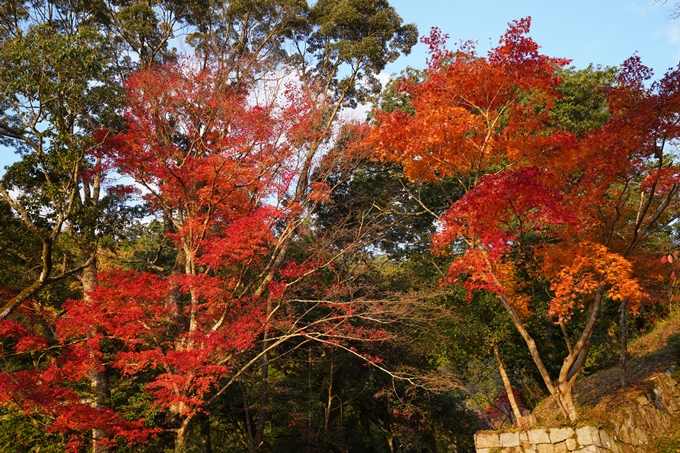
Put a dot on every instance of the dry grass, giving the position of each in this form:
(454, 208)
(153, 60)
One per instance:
(598, 394)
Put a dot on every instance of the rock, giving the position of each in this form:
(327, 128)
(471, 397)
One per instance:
(665, 394)
(561, 447)
(588, 435)
(487, 440)
(545, 448)
(560, 434)
(638, 437)
(538, 436)
(571, 444)
(509, 440)
(624, 432)
(607, 441)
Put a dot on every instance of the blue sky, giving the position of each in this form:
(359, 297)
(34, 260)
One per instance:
(602, 32)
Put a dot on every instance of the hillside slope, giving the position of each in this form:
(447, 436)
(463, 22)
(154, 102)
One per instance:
(653, 353)
(602, 402)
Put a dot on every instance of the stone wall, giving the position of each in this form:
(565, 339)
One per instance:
(648, 414)
(586, 439)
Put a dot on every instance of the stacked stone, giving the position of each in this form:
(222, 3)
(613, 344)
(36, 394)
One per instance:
(586, 439)
(647, 416)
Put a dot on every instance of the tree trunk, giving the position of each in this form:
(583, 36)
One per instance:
(264, 388)
(623, 358)
(206, 445)
(508, 387)
(264, 397)
(100, 386)
(573, 363)
(181, 436)
(329, 400)
(99, 381)
(246, 412)
(174, 299)
(565, 399)
(311, 437)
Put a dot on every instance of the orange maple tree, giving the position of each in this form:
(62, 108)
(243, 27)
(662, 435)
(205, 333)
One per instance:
(588, 202)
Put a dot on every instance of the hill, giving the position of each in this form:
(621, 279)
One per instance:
(652, 393)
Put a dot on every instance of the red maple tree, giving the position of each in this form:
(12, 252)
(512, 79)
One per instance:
(234, 170)
(588, 201)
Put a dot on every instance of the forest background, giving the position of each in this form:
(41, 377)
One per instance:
(203, 251)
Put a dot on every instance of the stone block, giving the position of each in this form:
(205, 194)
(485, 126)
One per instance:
(588, 435)
(571, 444)
(561, 447)
(545, 448)
(523, 436)
(560, 434)
(487, 440)
(538, 436)
(509, 440)
(484, 450)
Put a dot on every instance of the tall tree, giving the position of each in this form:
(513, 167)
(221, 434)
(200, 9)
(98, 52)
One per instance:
(62, 67)
(562, 201)
(65, 63)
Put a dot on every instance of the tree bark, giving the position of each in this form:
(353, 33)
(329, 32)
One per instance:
(572, 364)
(206, 444)
(99, 381)
(508, 387)
(311, 437)
(565, 399)
(181, 436)
(623, 357)
(329, 401)
(264, 398)
(264, 388)
(246, 412)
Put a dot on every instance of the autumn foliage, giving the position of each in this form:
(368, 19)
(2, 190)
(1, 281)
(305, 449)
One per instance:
(478, 112)
(539, 201)
(236, 171)
(220, 163)
(46, 391)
